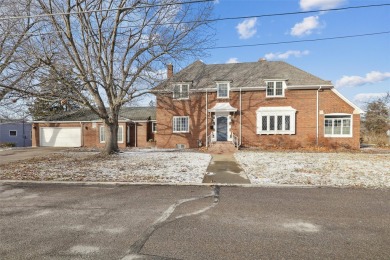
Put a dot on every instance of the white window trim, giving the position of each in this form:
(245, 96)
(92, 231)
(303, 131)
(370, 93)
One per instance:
(339, 135)
(181, 90)
(228, 89)
(188, 124)
(275, 111)
(154, 127)
(275, 96)
(101, 130)
(16, 133)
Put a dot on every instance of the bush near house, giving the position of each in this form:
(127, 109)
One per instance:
(7, 144)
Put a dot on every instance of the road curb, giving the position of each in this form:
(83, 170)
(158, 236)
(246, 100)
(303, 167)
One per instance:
(89, 183)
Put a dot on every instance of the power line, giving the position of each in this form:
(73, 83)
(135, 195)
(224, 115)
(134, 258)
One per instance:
(206, 21)
(298, 41)
(294, 13)
(193, 2)
(102, 10)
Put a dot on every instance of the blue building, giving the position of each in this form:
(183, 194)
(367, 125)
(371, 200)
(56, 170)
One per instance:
(15, 131)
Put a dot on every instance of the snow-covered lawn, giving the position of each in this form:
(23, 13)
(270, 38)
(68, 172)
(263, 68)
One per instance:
(133, 166)
(328, 169)
(182, 166)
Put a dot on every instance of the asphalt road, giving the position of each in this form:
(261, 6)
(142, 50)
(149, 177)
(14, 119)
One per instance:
(47, 221)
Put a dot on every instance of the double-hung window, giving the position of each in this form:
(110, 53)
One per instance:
(181, 91)
(338, 126)
(275, 89)
(102, 135)
(276, 120)
(180, 124)
(154, 127)
(222, 90)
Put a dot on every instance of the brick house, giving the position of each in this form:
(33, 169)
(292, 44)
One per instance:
(83, 128)
(264, 103)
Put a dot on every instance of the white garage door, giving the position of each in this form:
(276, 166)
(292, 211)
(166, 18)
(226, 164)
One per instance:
(60, 136)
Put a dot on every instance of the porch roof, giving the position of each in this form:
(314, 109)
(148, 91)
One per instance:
(222, 107)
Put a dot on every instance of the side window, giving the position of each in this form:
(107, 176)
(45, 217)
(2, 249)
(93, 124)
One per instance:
(338, 126)
(275, 89)
(180, 124)
(181, 91)
(222, 90)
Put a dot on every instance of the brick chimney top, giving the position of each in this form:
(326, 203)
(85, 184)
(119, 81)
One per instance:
(262, 59)
(169, 71)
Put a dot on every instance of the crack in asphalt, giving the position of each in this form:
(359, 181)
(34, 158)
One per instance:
(137, 246)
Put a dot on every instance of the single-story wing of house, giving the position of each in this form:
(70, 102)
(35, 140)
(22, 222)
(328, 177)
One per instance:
(83, 128)
(254, 104)
(15, 132)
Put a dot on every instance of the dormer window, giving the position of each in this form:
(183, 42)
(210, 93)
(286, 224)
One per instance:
(275, 89)
(223, 90)
(180, 91)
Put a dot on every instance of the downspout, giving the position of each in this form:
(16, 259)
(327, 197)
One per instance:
(82, 134)
(135, 134)
(207, 119)
(317, 116)
(240, 119)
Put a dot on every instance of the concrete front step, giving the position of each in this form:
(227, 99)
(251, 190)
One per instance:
(222, 147)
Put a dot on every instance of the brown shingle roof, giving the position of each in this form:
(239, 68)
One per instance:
(251, 74)
(126, 113)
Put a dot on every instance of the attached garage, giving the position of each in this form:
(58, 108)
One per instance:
(60, 136)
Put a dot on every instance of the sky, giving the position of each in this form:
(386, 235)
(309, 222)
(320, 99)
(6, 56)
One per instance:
(358, 67)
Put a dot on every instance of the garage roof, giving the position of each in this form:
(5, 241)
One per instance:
(84, 115)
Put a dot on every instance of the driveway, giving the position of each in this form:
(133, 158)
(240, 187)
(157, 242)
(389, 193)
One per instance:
(48, 221)
(19, 154)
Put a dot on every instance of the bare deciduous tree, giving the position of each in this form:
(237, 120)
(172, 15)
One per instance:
(115, 48)
(15, 65)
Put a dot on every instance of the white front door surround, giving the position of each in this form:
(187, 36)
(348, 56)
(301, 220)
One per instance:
(215, 117)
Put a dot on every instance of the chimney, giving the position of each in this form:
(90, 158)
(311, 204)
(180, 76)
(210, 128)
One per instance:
(169, 71)
(262, 59)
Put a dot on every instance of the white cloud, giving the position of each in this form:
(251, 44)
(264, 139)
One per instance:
(247, 29)
(307, 5)
(285, 55)
(216, 1)
(232, 60)
(305, 27)
(366, 97)
(371, 77)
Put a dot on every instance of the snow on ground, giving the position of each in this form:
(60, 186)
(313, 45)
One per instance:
(325, 169)
(138, 166)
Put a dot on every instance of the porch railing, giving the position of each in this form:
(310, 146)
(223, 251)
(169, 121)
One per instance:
(209, 139)
(235, 141)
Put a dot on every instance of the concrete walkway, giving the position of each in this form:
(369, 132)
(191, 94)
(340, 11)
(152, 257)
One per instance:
(224, 168)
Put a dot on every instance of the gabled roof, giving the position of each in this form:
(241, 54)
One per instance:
(243, 75)
(85, 115)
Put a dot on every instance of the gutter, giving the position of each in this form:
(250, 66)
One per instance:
(317, 115)
(207, 119)
(240, 118)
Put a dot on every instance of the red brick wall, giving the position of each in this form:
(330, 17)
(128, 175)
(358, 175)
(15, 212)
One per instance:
(142, 134)
(304, 101)
(194, 108)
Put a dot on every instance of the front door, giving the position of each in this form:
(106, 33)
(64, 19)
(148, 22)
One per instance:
(222, 128)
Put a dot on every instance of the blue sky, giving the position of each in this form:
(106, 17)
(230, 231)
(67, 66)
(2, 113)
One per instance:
(358, 67)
